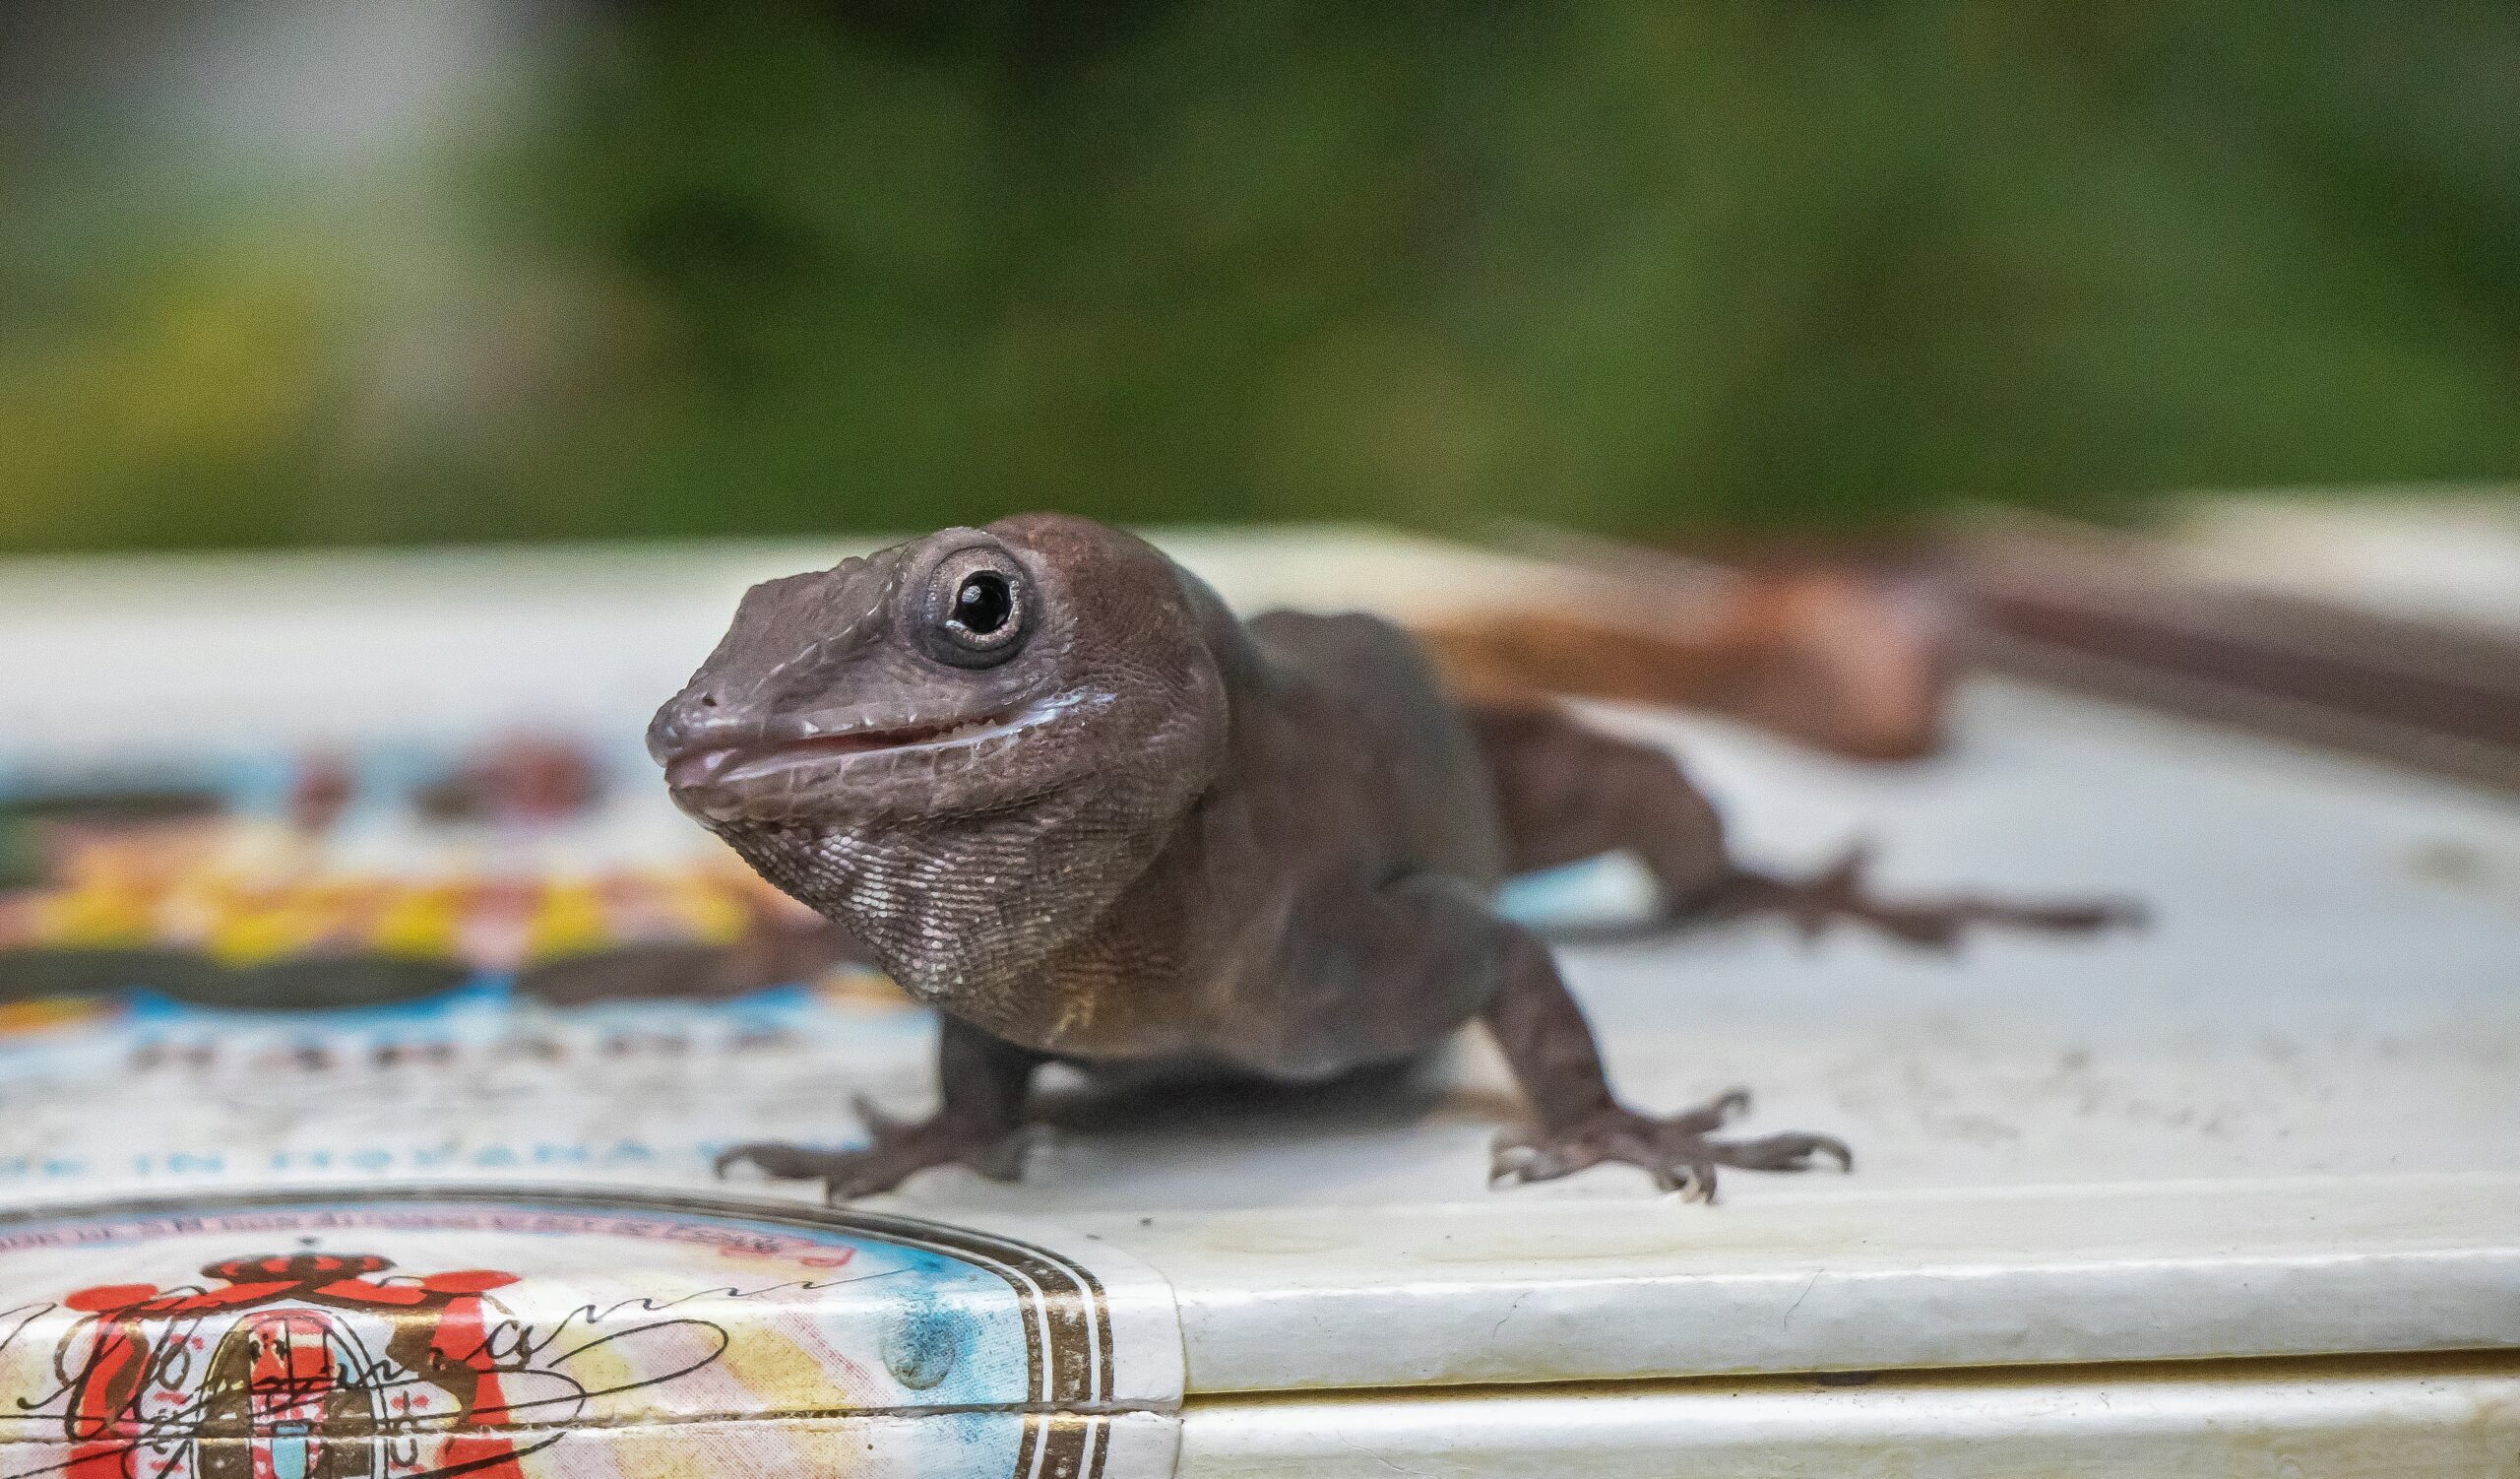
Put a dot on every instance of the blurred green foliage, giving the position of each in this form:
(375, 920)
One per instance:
(1639, 266)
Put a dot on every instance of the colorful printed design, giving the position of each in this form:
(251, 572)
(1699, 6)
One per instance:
(284, 881)
(534, 1337)
(405, 962)
(291, 1388)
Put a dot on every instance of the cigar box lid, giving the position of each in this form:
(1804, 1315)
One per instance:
(2276, 1123)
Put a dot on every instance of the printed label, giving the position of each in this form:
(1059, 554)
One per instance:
(412, 1333)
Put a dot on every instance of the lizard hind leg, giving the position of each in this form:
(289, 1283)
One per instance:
(1565, 793)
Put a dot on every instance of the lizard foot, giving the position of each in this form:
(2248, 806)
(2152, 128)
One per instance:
(897, 1149)
(1841, 891)
(1675, 1151)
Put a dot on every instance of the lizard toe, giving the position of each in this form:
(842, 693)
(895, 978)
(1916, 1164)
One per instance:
(1676, 1152)
(775, 1159)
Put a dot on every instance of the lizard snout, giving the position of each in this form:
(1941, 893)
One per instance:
(693, 724)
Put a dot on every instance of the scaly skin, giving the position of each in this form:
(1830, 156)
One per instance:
(1065, 796)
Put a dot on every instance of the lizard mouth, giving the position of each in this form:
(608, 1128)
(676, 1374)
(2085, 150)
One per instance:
(738, 764)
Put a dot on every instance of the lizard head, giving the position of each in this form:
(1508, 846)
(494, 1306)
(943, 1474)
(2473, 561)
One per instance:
(963, 748)
(973, 672)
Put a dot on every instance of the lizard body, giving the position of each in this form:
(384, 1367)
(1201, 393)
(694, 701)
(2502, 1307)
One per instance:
(1062, 794)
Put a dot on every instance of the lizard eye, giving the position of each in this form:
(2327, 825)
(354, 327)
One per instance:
(984, 604)
(976, 609)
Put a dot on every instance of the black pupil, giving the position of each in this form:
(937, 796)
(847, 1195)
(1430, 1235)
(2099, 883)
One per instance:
(983, 603)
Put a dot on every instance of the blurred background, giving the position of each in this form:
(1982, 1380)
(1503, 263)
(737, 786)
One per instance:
(355, 271)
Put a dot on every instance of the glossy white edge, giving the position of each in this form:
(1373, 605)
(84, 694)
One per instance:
(2435, 1417)
(1304, 1300)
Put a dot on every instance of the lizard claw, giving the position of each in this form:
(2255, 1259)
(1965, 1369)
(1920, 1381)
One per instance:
(1713, 1113)
(845, 1174)
(895, 1150)
(1676, 1152)
(878, 1124)
(775, 1159)
(1842, 890)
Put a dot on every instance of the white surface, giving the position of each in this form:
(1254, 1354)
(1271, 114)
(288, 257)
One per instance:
(2262, 1421)
(2286, 1119)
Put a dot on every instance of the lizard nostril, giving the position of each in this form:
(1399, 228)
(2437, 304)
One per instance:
(708, 700)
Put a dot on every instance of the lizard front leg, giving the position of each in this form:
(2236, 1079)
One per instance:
(979, 1124)
(1417, 958)
(1576, 1120)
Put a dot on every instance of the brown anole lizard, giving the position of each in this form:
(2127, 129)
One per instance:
(1066, 797)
